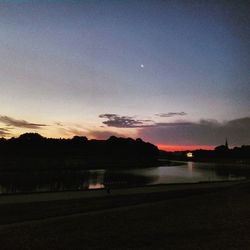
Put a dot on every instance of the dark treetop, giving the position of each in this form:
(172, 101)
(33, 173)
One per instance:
(31, 150)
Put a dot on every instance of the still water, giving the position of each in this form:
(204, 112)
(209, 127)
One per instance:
(190, 172)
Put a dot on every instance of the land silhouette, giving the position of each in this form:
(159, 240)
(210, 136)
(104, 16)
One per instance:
(33, 151)
(33, 162)
(221, 153)
(60, 222)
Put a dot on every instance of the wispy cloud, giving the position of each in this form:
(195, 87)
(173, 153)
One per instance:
(171, 124)
(71, 131)
(96, 134)
(171, 114)
(117, 121)
(4, 131)
(103, 135)
(59, 124)
(9, 121)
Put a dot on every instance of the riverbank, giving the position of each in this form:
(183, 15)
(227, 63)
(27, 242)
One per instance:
(23, 198)
(203, 216)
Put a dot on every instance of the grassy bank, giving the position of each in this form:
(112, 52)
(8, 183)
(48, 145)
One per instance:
(218, 219)
(26, 207)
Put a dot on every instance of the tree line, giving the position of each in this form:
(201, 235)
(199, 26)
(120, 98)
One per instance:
(76, 151)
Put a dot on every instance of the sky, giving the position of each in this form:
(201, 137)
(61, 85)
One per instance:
(175, 73)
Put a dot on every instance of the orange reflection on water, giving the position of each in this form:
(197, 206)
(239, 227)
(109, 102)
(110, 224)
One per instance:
(95, 186)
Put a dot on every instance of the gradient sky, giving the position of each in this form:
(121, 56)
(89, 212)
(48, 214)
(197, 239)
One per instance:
(172, 72)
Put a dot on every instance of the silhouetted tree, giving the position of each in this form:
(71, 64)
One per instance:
(32, 148)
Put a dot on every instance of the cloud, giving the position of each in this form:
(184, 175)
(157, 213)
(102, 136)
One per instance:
(204, 132)
(117, 121)
(96, 134)
(171, 114)
(103, 135)
(59, 124)
(19, 123)
(73, 131)
(4, 131)
(171, 124)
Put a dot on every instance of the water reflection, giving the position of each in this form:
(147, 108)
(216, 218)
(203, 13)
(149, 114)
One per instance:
(39, 181)
(96, 179)
(128, 178)
(190, 166)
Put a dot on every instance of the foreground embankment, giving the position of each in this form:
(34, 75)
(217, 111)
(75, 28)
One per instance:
(193, 216)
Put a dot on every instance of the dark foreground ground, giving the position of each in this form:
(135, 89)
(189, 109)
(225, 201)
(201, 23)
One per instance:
(214, 218)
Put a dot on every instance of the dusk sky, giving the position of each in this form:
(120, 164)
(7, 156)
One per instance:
(175, 73)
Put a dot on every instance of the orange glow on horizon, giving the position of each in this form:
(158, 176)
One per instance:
(173, 148)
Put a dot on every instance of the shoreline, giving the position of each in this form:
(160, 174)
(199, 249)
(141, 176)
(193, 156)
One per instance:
(14, 198)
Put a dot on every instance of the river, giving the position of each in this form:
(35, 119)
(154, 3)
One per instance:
(189, 172)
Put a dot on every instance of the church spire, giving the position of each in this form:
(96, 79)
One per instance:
(226, 143)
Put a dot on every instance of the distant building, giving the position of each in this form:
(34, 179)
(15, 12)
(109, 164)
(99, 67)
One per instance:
(223, 147)
(226, 144)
